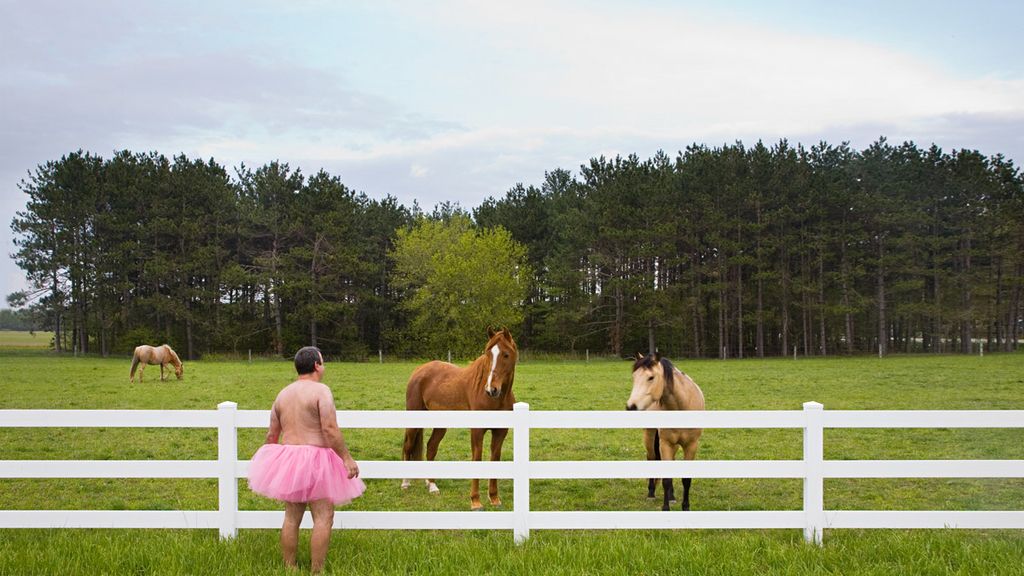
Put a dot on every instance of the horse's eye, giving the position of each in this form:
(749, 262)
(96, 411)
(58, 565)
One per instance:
(650, 378)
(506, 355)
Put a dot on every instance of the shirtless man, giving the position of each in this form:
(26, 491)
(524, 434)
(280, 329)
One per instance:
(304, 460)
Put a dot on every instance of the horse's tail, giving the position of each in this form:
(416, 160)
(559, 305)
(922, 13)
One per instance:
(412, 449)
(135, 364)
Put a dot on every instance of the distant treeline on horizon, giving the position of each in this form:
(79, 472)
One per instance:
(728, 251)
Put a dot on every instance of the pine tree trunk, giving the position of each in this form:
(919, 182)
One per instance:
(937, 331)
(278, 326)
(805, 319)
(651, 348)
(721, 318)
(760, 288)
(739, 311)
(821, 302)
(966, 325)
(698, 329)
(760, 317)
(1017, 311)
(103, 333)
(617, 326)
(58, 314)
(785, 304)
(188, 336)
(883, 341)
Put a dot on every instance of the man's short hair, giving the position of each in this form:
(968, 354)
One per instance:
(306, 360)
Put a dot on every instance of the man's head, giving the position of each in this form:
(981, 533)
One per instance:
(308, 361)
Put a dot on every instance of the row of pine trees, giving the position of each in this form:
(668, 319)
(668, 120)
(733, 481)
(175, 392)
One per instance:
(727, 252)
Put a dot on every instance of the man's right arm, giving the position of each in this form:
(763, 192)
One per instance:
(332, 434)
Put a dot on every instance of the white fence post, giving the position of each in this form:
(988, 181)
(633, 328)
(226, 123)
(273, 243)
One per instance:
(814, 483)
(227, 457)
(521, 471)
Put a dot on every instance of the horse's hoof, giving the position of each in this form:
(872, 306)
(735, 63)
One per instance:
(495, 501)
(476, 507)
(405, 485)
(664, 508)
(685, 508)
(434, 489)
(650, 496)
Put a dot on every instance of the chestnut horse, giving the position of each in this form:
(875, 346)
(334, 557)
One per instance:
(486, 384)
(161, 355)
(658, 385)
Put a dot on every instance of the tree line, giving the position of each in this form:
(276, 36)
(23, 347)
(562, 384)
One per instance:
(728, 251)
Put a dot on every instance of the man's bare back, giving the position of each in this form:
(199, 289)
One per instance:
(301, 407)
(304, 414)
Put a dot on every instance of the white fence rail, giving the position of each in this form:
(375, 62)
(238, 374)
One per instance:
(813, 469)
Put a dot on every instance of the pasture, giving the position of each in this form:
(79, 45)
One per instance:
(39, 380)
(14, 339)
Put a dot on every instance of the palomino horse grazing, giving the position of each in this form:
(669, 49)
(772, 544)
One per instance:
(486, 384)
(658, 385)
(161, 355)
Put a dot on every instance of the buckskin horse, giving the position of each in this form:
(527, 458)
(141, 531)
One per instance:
(161, 355)
(486, 384)
(658, 385)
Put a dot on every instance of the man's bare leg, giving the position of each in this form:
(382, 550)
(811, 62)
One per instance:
(323, 511)
(290, 531)
(323, 523)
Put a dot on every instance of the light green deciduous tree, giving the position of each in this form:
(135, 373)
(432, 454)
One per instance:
(457, 281)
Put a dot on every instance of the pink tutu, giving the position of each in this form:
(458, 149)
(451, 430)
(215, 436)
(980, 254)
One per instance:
(302, 473)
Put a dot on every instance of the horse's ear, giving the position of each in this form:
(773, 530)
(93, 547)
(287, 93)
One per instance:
(490, 331)
(639, 356)
(657, 356)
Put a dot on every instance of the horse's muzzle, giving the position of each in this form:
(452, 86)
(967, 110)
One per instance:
(493, 392)
(630, 406)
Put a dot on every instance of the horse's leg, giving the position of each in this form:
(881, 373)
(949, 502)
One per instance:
(476, 437)
(651, 443)
(435, 439)
(497, 439)
(142, 370)
(689, 453)
(162, 377)
(412, 448)
(668, 453)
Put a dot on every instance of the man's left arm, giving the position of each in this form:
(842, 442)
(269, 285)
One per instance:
(274, 431)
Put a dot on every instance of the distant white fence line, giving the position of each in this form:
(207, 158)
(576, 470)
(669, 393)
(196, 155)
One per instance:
(813, 469)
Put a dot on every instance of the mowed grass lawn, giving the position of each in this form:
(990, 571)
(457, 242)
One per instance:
(31, 379)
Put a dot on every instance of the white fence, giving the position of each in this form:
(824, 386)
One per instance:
(813, 469)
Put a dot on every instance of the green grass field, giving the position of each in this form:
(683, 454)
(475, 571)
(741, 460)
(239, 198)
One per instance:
(10, 339)
(40, 380)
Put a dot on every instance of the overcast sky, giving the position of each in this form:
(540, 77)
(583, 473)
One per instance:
(453, 100)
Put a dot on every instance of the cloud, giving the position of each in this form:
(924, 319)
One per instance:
(418, 171)
(674, 69)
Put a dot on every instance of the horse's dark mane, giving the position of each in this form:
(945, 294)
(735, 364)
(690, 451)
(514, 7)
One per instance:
(645, 362)
(669, 369)
(666, 365)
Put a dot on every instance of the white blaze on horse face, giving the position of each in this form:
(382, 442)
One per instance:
(494, 364)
